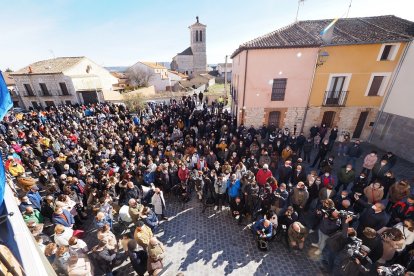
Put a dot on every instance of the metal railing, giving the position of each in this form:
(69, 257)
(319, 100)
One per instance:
(335, 98)
(50, 93)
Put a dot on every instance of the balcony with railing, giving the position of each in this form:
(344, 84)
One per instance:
(49, 93)
(335, 98)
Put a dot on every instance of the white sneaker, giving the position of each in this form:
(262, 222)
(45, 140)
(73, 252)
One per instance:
(223, 208)
(215, 208)
(315, 245)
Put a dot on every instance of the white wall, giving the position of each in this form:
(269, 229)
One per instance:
(401, 96)
(184, 63)
(52, 83)
(105, 78)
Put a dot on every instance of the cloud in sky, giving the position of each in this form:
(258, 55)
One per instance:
(123, 32)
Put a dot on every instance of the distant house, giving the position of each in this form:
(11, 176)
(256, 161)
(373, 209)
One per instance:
(199, 83)
(221, 69)
(14, 93)
(158, 75)
(122, 81)
(63, 80)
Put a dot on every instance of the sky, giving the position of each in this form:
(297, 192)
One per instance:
(122, 32)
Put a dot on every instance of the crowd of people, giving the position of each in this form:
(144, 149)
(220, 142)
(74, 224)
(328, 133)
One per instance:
(74, 163)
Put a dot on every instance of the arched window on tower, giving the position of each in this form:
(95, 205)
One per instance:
(196, 36)
(201, 35)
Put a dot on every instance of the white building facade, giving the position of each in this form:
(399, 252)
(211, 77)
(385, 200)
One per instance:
(63, 80)
(394, 126)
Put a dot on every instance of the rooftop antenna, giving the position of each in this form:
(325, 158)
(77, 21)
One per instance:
(349, 7)
(297, 12)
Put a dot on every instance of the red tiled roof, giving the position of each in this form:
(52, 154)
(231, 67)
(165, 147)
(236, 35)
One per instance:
(359, 30)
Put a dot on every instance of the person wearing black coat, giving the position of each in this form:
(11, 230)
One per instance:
(298, 175)
(323, 150)
(300, 142)
(391, 159)
(104, 259)
(336, 243)
(137, 257)
(314, 130)
(373, 216)
(354, 152)
(360, 183)
(208, 191)
(126, 194)
(373, 240)
(332, 137)
(285, 172)
(307, 149)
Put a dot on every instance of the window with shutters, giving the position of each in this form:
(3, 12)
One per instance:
(28, 89)
(377, 84)
(64, 88)
(388, 52)
(279, 89)
(44, 89)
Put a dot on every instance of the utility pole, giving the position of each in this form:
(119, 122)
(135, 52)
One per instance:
(225, 77)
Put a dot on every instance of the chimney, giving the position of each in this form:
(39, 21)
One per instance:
(30, 70)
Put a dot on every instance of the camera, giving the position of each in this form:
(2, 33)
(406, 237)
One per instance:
(354, 249)
(328, 211)
(345, 214)
(394, 270)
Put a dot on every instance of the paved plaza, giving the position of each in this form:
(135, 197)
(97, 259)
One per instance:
(212, 243)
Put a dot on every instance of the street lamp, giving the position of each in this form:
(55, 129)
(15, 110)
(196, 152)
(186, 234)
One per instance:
(322, 58)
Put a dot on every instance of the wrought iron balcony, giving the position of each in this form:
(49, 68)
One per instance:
(50, 93)
(335, 98)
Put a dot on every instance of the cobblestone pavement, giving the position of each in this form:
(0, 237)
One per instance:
(212, 243)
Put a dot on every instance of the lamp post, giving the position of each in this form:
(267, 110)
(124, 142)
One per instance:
(322, 57)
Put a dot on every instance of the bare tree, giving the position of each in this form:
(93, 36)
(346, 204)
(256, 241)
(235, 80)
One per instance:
(139, 77)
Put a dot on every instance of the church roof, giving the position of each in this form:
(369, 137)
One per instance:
(197, 23)
(186, 52)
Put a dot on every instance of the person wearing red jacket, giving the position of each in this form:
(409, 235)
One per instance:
(262, 175)
(183, 173)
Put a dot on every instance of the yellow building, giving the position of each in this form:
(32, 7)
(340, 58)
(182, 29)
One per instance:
(351, 79)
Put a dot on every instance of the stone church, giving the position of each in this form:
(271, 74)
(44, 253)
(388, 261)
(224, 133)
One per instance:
(193, 60)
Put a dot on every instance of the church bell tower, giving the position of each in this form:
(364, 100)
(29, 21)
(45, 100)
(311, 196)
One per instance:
(198, 47)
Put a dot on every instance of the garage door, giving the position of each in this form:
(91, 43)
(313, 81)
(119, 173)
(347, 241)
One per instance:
(89, 97)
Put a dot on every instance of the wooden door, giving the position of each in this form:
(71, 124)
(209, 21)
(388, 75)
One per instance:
(328, 118)
(360, 124)
(274, 118)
